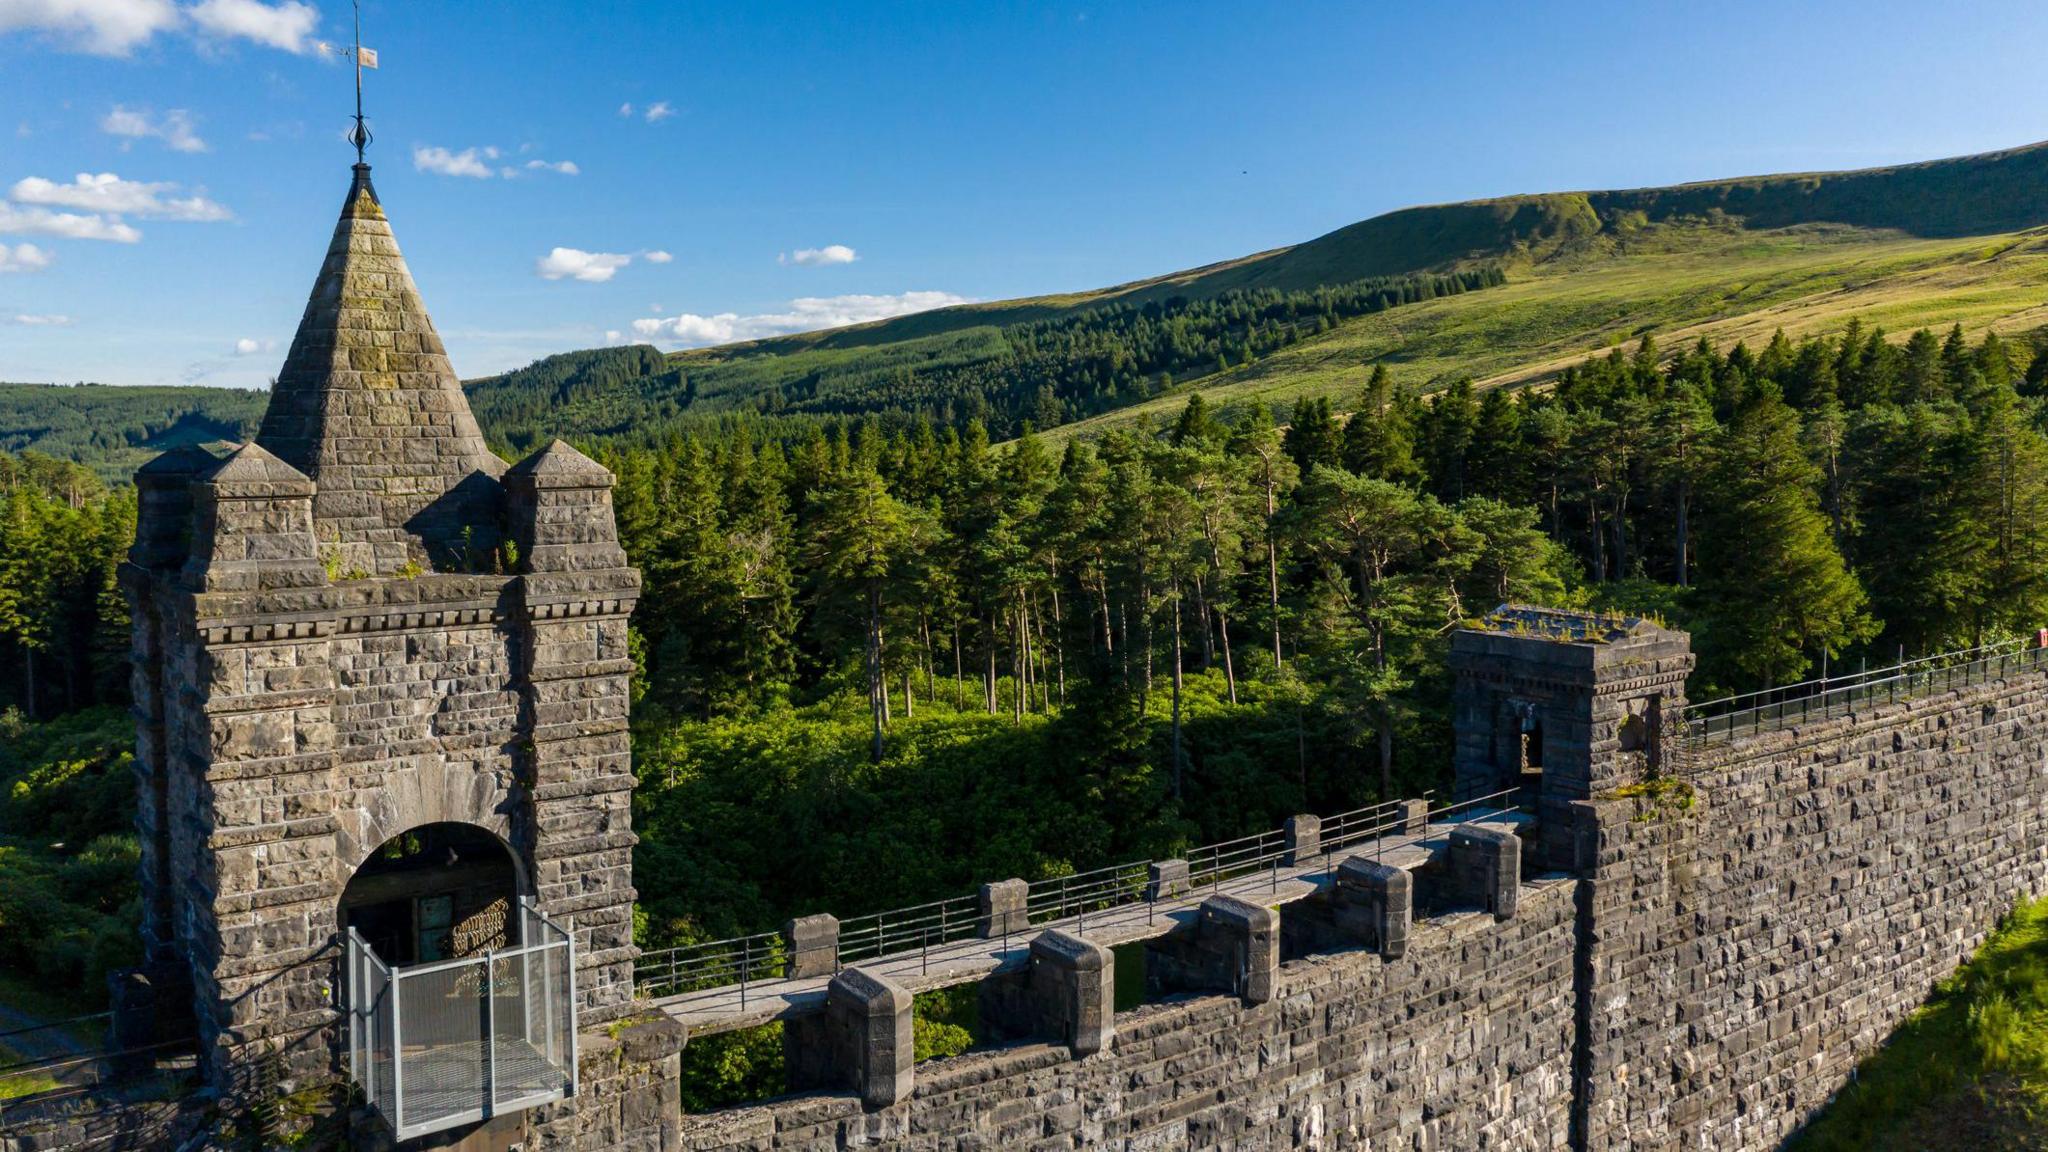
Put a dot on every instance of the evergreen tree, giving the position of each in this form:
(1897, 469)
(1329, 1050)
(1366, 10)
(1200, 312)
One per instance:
(1774, 592)
(1378, 440)
(1312, 438)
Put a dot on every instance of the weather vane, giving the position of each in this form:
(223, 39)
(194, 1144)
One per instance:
(364, 58)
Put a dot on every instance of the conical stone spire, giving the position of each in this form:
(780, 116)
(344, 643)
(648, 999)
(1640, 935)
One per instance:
(369, 408)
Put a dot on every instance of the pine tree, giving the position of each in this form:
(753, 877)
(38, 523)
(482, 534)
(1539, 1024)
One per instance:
(858, 546)
(1312, 438)
(1773, 590)
(1378, 440)
(1273, 471)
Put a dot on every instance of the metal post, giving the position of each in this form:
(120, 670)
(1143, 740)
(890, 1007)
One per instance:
(547, 981)
(490, 1029)
(397, 1052)
(575, 1045)
(746, 955)
(355, 999)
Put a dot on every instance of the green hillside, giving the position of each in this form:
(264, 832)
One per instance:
(1507, 291)
(116, 430)
(1934, 243)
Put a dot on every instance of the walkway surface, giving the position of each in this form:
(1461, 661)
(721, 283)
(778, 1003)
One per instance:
(713, 1010)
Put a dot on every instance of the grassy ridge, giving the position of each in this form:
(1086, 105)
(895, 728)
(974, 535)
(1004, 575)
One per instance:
(1680, 282)
(1976, 195)
(1931, 244)
(1928, 243)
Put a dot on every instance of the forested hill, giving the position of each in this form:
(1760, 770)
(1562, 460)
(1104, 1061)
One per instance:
(115, 430)
(1503, 291)
(1056, 359)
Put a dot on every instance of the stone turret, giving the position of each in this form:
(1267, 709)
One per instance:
(381, 685)
(1567, 705)
(369, 408)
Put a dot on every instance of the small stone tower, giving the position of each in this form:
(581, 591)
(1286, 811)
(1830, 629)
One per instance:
(381, 687)
(1565, 705)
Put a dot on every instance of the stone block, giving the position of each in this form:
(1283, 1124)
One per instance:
(1304, 839)
(1486, 869)
(1375, 904)
(1066, 993)
(1166, 879)
(1002, 908)
(1232, 947)
(869, 1019)
(813, 945)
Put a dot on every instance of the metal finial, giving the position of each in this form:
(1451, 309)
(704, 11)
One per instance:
(360, 135)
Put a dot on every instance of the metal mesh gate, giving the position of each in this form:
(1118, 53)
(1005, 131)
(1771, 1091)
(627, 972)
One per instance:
(433, 1046)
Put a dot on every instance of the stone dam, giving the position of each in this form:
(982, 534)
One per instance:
(384, 777)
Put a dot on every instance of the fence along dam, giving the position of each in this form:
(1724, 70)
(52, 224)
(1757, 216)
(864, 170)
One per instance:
(383, 788)
(1634, 927)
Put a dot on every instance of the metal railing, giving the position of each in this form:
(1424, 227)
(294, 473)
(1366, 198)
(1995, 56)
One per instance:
(434, 1046)
(742, 960)
(917, 930)
(1391, 831)
(1830, 696)
(1375, 820)
(920, 926)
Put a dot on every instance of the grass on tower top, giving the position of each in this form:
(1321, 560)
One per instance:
(1969, 1070)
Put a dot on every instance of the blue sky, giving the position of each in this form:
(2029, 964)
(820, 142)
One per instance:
(170, 169)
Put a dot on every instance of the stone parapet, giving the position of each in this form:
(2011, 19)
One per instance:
(862, 1041)
(1485, 869)
(1233, 946)
(1065, 992)
(1375, 905)
(1002, 908)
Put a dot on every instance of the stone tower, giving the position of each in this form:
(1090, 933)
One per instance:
(381, 685)
(1565, 705)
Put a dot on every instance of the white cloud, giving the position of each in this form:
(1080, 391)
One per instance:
(446, 163)
(565, 167)
(248, 347)
(626, 109)
(110, 194)
(39, 221)
(658, 111)
(174, 128)
(805, 314)
(284, 26)
(656, 256)
(614, 336)
(104, 27)
(576, 264)
(23, 258)
(118, 27)
(38, 320)
(818, 257)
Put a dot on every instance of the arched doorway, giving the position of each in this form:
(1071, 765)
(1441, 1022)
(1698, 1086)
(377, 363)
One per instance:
(436, 892)
(460, 992)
